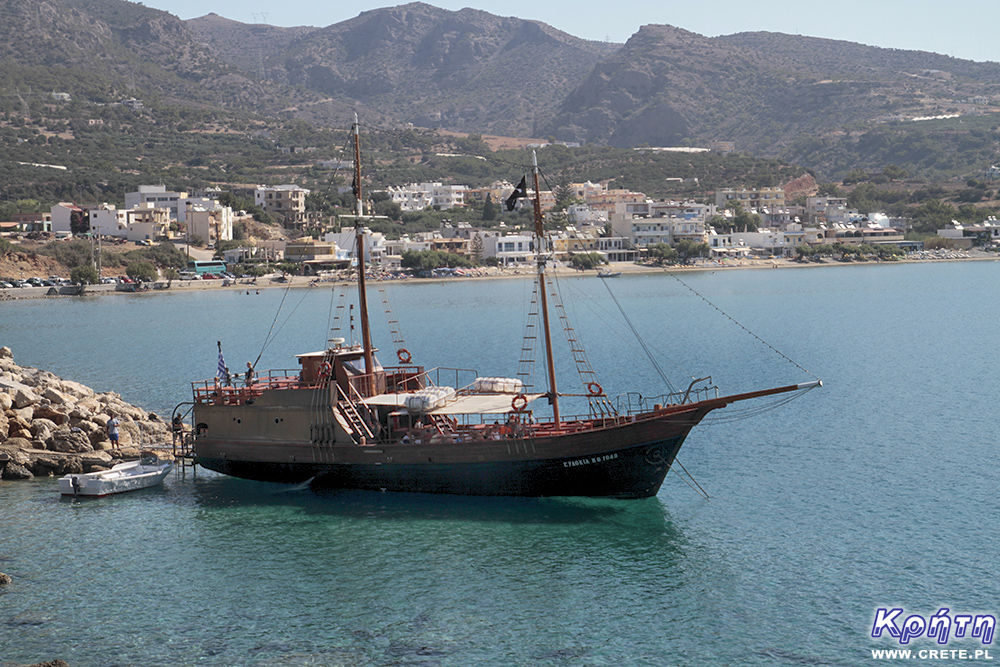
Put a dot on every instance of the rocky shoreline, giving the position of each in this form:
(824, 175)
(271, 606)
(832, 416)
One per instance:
(52, 427)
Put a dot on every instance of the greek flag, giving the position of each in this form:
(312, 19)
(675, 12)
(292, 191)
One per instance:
(220, 372)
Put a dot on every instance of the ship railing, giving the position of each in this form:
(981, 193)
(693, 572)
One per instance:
(501, 427)
(214, 391)
(635, 403)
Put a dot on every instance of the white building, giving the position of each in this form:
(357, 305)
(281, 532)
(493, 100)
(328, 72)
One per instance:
(417, 197)
(510, 249)
(62, 216)
(156, 195)
(106, 220)
(375, 245)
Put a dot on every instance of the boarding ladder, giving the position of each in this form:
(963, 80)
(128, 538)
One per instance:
(349, 411)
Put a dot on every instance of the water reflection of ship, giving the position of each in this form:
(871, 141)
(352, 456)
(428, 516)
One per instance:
(346, 421)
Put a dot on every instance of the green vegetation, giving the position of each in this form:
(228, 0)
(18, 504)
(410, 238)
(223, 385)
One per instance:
(141, 272)
(585, 261)
(85, 274)
(427, 260)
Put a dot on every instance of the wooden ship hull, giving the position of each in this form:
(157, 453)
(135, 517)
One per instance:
(620, 459)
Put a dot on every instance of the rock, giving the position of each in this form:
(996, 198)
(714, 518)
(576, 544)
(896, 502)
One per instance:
(15, 443)
(3, 426)
(93, 431)
(26, 413)
(80, 412)
(72, 465)
(5, 353)
(18, 429)
(6, 401)
(76, 389)
(91, 404)
(65, 440)
(5, 578)
(41, 429)
(91, 461)
(16, 471)
(129, 433)
(50, 413)
(56, 396)
(24, 397)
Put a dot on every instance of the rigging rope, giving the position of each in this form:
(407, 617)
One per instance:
(741, 326)
(267, 338)
(642, 342)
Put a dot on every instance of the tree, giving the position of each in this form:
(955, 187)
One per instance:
(564, 194)
(79, 222)
(894, 172)
(389, 209)
(932, 216)
(687, 248)
(584, 261)
(171, 274)
(489, 209)
(476, 248)
(141, 272)
(85, 274)
(662, 253)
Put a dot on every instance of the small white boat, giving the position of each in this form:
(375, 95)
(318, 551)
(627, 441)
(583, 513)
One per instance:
(608, 274)
(141, 474)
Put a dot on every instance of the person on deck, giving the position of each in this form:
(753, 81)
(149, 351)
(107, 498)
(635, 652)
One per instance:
(248, 377)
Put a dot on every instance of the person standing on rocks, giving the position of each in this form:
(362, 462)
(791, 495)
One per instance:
(113, 432)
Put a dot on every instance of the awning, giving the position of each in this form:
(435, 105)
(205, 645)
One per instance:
(471, 404)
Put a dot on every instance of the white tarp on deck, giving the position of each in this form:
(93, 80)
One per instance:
(476, 404)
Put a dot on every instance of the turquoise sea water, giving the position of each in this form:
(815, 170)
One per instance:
(878, 490)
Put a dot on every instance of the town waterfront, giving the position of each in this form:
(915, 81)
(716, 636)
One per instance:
(878, 490)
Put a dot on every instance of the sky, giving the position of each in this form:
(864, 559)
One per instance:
(960, 28)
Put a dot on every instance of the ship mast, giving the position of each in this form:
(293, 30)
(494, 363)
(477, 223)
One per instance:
(540, 259)
(359, 230)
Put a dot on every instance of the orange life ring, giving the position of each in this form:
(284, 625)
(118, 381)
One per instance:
(404, 355)
(519, 403)
(594, 389)
(325, 369)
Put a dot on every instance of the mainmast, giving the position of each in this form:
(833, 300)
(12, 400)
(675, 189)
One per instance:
(540, 259)
(359, 231)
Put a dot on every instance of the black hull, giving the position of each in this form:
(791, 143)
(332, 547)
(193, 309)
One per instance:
(636, 472)
(626, 460)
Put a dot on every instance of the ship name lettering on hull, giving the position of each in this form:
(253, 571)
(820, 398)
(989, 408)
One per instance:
(588, 461)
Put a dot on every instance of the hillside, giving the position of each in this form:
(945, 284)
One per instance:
(762, 91)
(219, 98)
(466, 71)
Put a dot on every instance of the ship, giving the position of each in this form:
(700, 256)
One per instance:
(341, 419)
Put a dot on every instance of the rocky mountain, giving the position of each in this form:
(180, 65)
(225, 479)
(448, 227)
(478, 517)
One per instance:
(104, 50)
(761, 90)
(829, 105)
(465, 71)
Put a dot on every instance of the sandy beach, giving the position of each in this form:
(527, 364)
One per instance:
(274, 281)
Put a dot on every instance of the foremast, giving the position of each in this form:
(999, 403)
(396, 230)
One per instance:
(359, 231)
(540, 261)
